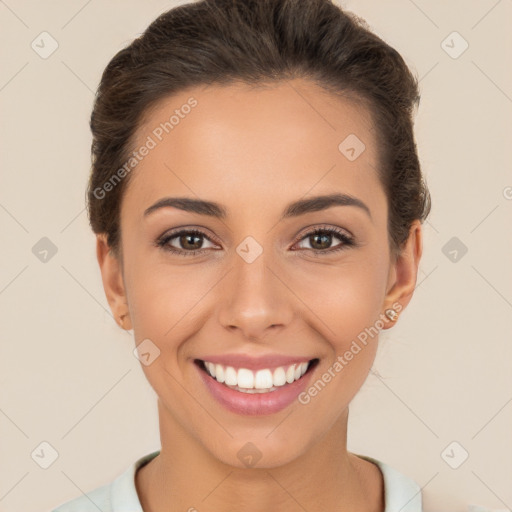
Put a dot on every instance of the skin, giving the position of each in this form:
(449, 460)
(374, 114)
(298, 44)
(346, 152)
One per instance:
(255, 150)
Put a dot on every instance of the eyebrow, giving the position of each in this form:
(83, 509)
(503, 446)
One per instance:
(300, 207)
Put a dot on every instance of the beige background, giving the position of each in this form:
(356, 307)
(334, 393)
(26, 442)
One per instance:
(68, 376)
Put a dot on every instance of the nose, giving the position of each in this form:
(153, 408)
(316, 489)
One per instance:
(255, 299)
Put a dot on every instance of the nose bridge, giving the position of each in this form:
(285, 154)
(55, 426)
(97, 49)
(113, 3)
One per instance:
(253, 298)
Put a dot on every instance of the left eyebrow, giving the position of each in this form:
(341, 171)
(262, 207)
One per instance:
(294, 209)
(317, 203)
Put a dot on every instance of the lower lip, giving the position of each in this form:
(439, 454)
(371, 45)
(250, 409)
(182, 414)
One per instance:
(255, 403)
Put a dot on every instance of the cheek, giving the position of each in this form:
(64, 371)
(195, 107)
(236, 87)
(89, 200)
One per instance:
(349, 309)
(343, 298)
(165, 309)
(163, 299)
(347, 298)
(348, 302)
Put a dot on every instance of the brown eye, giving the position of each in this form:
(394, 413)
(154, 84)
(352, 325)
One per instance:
(184, 242)
(320, 240)
(190, 241)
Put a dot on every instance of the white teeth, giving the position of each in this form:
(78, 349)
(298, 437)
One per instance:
(261, 381)
(218, 372)
(230, 376)
(279, 377)
(290, 374)
(245, 378)
(212, 369)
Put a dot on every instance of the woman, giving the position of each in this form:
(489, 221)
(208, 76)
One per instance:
(258, 205)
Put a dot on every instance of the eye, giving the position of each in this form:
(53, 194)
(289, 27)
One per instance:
(190, 242)
(320, 238)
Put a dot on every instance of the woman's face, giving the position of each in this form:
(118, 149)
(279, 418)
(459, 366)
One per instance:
(262, 291)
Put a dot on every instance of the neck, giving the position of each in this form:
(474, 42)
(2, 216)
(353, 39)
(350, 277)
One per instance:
(185, 476)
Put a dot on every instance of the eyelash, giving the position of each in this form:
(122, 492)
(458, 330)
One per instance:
(348, 241)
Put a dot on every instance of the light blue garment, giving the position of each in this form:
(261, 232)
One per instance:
(400, 492)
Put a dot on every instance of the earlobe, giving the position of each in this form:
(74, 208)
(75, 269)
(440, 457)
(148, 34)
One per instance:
(404, 274)
(113, 282)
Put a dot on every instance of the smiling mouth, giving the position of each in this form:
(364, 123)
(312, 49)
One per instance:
(264, 380)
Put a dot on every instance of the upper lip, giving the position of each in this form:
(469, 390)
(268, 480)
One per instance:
(255, 363)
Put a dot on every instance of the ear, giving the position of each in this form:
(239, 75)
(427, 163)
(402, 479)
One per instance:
(403, 273)
(113, 282)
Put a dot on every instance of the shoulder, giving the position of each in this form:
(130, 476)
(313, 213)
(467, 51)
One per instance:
(400, 491)
(99, 498)
(120, 495)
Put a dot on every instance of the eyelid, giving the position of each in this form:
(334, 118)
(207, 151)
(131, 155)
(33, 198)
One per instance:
(347, 241)
(309, 230)
(189, 229)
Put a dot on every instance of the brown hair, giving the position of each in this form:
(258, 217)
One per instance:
(257, 41)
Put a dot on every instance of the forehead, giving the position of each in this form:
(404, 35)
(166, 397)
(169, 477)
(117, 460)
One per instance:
(241, 142)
